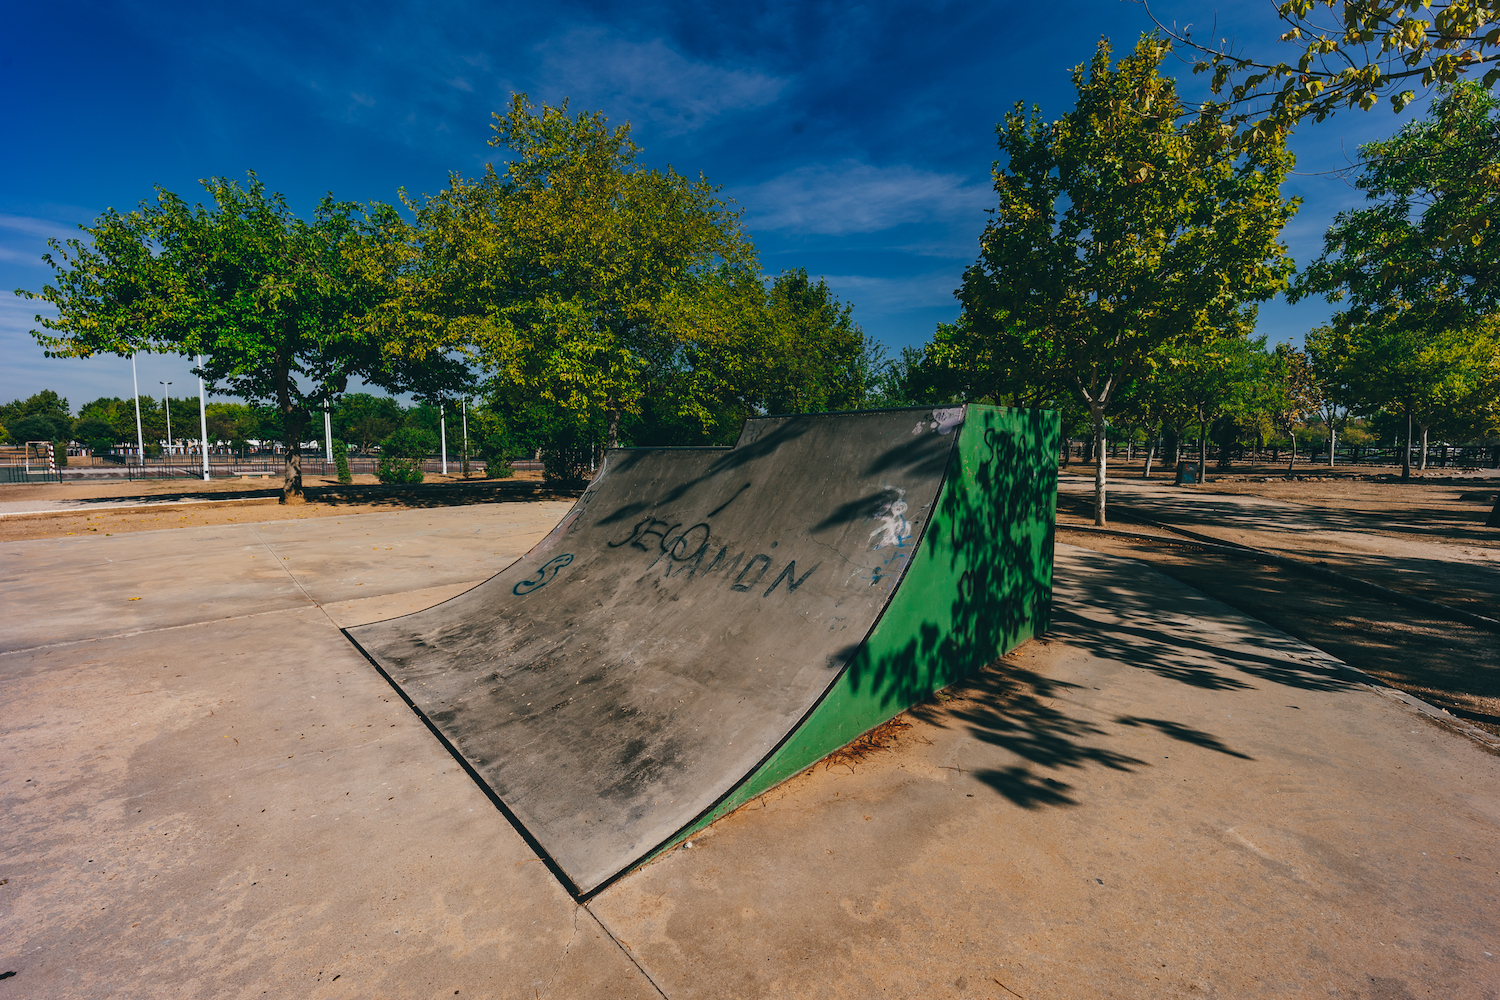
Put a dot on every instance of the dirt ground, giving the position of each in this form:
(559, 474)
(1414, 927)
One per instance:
(178, 503)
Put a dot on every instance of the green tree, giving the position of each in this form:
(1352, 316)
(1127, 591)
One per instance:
(41, 426)
(44, 402)
(818, 358)
(282, 310)
(986, 361)
(95, 433)
(1122, 227)
(1352, 55)
(1201, 382)
(1402, 360)
(365, 419)
(1419, 265)
(1328, 356)
(578, 276)
(1289, 392)
(402, 454)
(1432, 231)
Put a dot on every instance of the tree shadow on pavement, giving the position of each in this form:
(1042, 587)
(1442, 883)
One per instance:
(1011, 708)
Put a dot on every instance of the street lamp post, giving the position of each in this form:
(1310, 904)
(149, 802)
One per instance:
(327, 433)
(443, 433)
(166, 402)
(203, 419)
(140, 439)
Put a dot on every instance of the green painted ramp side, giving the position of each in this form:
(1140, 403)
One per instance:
(978, 585)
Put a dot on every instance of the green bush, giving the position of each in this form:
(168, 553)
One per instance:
(402, 454)
(341, 462)
(395, 470)
(499, 467)
(59, 453)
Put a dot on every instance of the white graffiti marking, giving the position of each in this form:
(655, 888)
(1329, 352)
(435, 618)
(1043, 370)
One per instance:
(943, 421)
(891, 527)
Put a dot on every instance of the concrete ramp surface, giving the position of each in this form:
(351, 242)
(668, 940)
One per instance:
(706, 622)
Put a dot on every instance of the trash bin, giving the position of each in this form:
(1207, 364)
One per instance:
(1187, 473)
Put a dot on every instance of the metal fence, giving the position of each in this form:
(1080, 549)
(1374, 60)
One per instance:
(269, 465)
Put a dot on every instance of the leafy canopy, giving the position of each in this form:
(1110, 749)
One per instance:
(1121, 228)
(1433, 228)
(578, 275)
(1353, 53)
(280, 308)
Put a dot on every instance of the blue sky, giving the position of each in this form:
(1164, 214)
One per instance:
(858, 138)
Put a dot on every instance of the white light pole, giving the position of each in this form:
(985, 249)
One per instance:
(166, 402)
(203, 418)
(443, 433)
(140, 439)
(464, 404)
(327, 433)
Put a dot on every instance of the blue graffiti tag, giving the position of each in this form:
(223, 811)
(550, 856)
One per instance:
(543, 575)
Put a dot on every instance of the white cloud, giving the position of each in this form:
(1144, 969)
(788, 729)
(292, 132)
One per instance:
(871, 294)
(23, 239)
(853, 197)
(45, 228)
(648, 81)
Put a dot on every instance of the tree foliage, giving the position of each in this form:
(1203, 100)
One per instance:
(1122, 227)
(280, 309)
(1433, 231)
(577, 275)
(1352, 54)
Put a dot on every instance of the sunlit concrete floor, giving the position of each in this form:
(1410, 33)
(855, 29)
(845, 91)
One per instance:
(209, 793)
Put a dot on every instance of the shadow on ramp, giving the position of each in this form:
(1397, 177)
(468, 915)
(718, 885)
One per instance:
(707, 622)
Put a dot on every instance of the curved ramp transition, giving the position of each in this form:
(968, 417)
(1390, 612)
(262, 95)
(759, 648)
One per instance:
(706, 622)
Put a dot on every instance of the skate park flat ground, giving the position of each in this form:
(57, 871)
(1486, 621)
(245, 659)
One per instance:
(1428, 539)
(211, 793)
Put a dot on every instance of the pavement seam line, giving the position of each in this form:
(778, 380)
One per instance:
(281, 561)
(149, 631)
(621, 945)
(196, 624)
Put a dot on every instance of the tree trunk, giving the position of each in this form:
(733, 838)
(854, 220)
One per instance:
(1406, 450)
(1202, 449)
(1067, 455)
(1291, 433)
(612, 438)
(1097, 412)
(291, 429)
(1422, 462)
(291, 488)
(1494, 521)
(1151, 452)
(1333, 443)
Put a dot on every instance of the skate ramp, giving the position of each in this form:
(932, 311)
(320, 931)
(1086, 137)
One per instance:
(706, 622)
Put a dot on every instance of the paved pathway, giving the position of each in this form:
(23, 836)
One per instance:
(209, 793)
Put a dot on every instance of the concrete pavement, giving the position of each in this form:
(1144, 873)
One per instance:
(210, 793)
(1443, 561)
